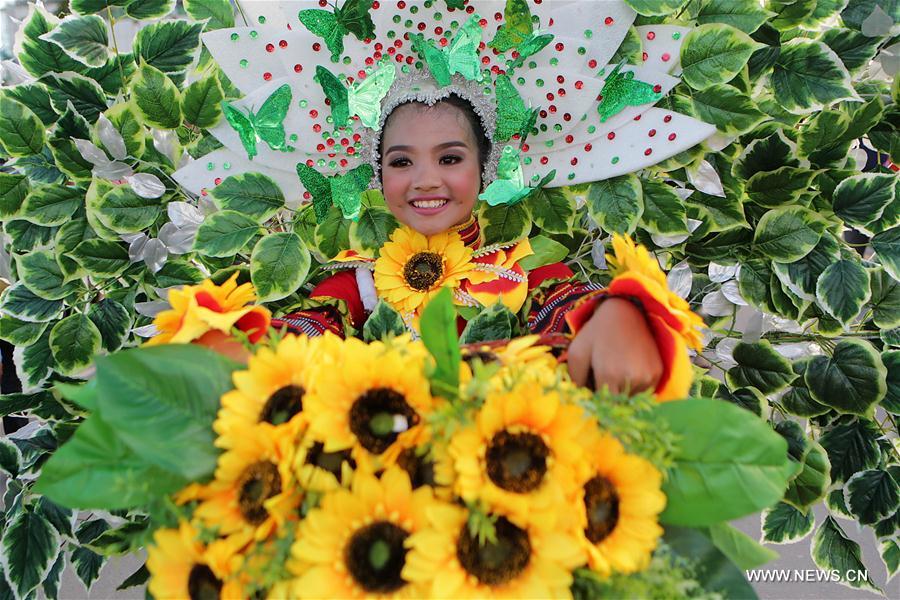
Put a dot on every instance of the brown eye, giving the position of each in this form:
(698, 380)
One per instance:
(450, 159)
(399, 162)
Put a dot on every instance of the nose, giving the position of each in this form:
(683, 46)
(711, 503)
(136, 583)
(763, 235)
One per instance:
(426, 178)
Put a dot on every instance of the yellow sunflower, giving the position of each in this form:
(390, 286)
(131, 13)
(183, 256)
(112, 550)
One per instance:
(253, 489)
(522, 455)
(200, 309)
(412, 268)
(524, 562)
(372, 399)
(320, 471)
(354, 544)
(270, 393)
(519, 351)
(618, 508)
(182, 567)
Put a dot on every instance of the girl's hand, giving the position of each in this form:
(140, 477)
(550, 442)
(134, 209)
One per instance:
(616, 346)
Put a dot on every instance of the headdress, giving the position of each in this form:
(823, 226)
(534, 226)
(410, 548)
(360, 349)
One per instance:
(552, 79)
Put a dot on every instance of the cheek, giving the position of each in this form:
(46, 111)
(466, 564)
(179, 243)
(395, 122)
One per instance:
(394, 188)
(466, 185)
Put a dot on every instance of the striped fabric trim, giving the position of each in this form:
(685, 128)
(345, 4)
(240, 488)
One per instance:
(312, 322)
(550, 318)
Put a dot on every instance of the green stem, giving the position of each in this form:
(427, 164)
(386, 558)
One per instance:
(241, 10)
(112, 33)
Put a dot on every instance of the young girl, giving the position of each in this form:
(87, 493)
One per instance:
(433, 160)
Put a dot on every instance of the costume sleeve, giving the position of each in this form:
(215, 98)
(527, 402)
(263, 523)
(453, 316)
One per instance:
(556, 297)
(334, 305)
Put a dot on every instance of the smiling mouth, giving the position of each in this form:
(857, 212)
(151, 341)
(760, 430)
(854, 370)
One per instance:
(429, 203)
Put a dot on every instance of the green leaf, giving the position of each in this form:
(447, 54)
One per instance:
(723, 443)
(713, 570)
(13, 191)
(656, 7)
(383, 322)
(21, 132)
(18, 332)
(853, 48)
(178, 272)
(124, 117)
(123, 211)
(40, 272)
(766, 154)
(156, 98)
(88, 98)
(149, 9)
(89, 7)
(278, 265)
(800, 276)
(664, 211)
(373, 229)
(748, 398)
(87, 565)
(746, 15)
(832, 550)
(36, 97)
(96, 470)
(714, 53)
(333, 234)
(730, 110)
(798, 401)
(69, 159)
(887, 248)
(872, 495)
(546, 252)
(52, 204)
(225, 233)
(495, 322)
(854, 13)
(201, 104)
(779, 187)
(552, 210)
(851, 380)
(808, 76)
(891, 401)
(62, 519)
(861, 199)
(789, 15)
(810, 485)
(890, 555)
(169, 46)
(253, 194)
(630, 50)
(851, 447)
(30, 547)
(219, 13)
(789, 233)
(504, 223)
(173, 388)
(113, 321)
(74, 341)
(10, 458)
(438, 330)
(759, 366)
(84, 395)
(83, 38)
(743, 551)
(25, 235)
(22, 303)
(114, 74)
(842, 290)
(616, 204)
(785, 524)
(753, 283)
(38, 56)
(101, 257)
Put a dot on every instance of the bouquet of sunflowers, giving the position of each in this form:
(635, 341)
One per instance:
(330, 468)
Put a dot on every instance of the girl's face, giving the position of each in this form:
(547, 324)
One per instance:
(430, 169)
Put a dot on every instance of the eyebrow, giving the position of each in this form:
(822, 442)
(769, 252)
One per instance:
(444, 146)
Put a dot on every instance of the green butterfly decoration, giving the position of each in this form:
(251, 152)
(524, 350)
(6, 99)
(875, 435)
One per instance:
(512, 115)
(518, 32)
(509, 187)
(340, 190)
(363, 99)
(457, 4)
(266, 124)
(353, 17)
(459, 56)
(621, 90)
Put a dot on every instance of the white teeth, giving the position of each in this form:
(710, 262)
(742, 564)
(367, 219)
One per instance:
(429, 203)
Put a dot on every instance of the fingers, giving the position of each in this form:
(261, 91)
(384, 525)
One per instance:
(579, 362)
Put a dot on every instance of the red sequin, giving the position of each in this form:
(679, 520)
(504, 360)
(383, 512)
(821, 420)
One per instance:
(666, 57)
(609, 20)
(282, 44)
(410, 60)
(267, 76)
(314, 114)
(443, 42)
(307, 195)
(420, 26)
(543, 114)
(316, 46)
(310, 162)
(559, 46)
(330, 142)
(483, 22)
(217, 180)
(651, 35)
(370, 61)
(651, 133)
(544, 160)
(567, 117)
(470, 9)
(498, 16)
(644, 56)
(667, 118)
(401, 4)
(550, 96)
(560, 79)
(379, 46)
(203, 192)
(552, 109)
(637, 118)
(579, 84)
(343, 162)
(438, 30)
(588, 147)
(611, 135)
(320, 147)
(485, 60)
(351, 150)
(525, 147)
(672, 136)
(270, 47)
(376, 5)
(657, 88)
(298, 68)
(573, 162)
(317, 128)
(356, 137)
(592, 64)
(648, 152)
(398, 43)
(570, 139)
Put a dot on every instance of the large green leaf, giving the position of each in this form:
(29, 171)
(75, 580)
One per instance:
(766, 154)
(885, 300)
(861, 199)
(373, 228)
(101, 257)
(38, 56)
(74, 341)
(113, 76)
(843, 289)
(810, 485)
(891, 401)
(438, 329)
(760, 366)
(124, 117)
(225, 233)
(729, 109)
(41, 274)
(333, 234)
(856, 12)
(495, 322)
(218, 14)
(21, 132)
(552, 210)
(546, 252)
(832, 550)
(83, 38)
(873, 495)
(87, 564)
(96, 470)
(743, 551)
(754, 282)
(169, 46)
(887, 248)
(746, 15)
(88, 98)
(785, 524)
(25, 235)
(90, 7)
(52, 204)
(201, 104)
(30, 547)
(253, 194)
(113, 321)
(384, 321)
(149, 9)
(123, 211)
(851, 380)
(504, 223)
(714, 53)
(10, 458)
(18, 332)
(13, 191)
(22, 303)
(664, 211)
(789, 233)
(713, 570)
(36, 97)
(851, 447)
(656, 7)
(278, 265)
(808, 76)
(616, 204)
(853, 48)
(723, 443)
(174, 388)
(789, 15)
(780, 187)
(801, 276)
(34, 363)
(156, 98)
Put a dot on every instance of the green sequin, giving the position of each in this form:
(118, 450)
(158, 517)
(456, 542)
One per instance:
(408, 23)
(235, 37)
(535, 177)
(615, 159)
(527, 160)
(391, 35)
(539, 83)
(347, 60)
(321, 162)
(571, 176)
(329, 119)
(549, 143)
(532, 65)
(414, 9)
(396, 19)
(676, 36)
(438, 16)
(554, 61)
(582, 51)
(591, 129)
(210, 166)
(557, 128)
(405, 68)
(244, 62)
(588, 33)
(293, 137)
(254, 34)
(454, 24)
(543, 127)
(262, 20)
(520, 81)
(227, 166)
(304, 103)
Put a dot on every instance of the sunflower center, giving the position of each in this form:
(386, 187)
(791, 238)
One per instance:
(495, 563)
(203, 584)
(329, 461)
(374, 414)
(375, 556)
(485, 356)
(418, 467)
(282, 405)
(423, 270)
(259, 482)
(602, 505)
(517, 462)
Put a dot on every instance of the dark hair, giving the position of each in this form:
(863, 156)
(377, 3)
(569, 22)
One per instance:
(481, 138)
